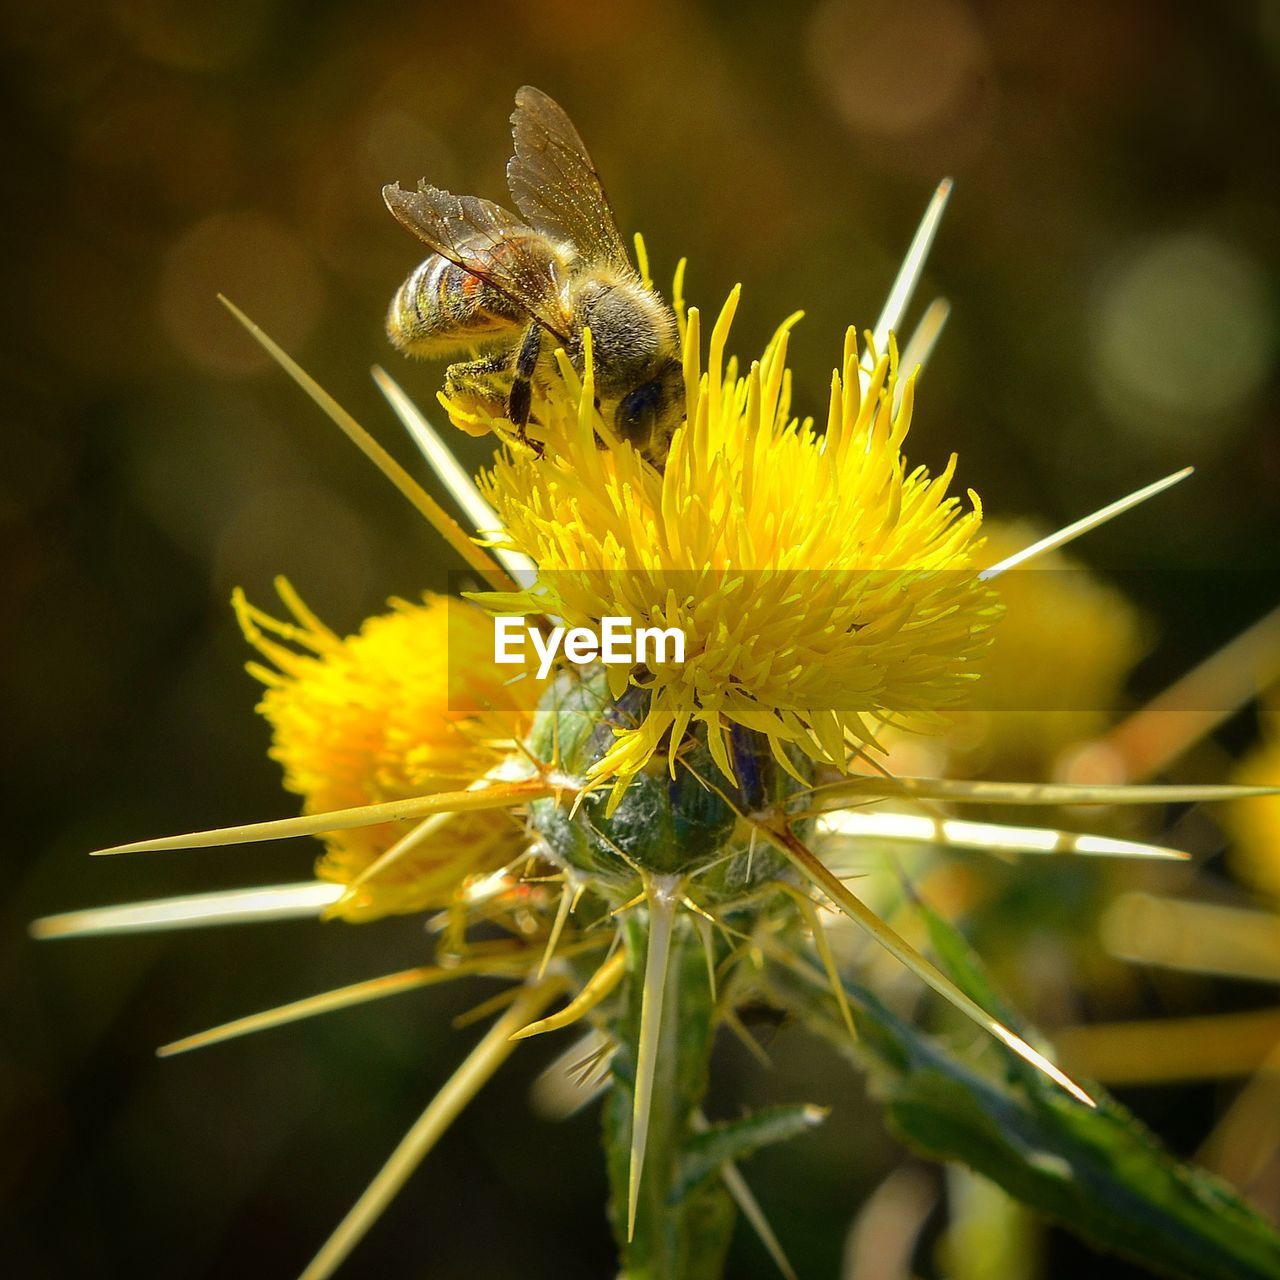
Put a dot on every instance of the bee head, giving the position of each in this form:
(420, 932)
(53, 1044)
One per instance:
(648, 415)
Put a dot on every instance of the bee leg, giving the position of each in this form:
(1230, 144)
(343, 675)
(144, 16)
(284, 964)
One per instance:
(483, 379)
(521, 397)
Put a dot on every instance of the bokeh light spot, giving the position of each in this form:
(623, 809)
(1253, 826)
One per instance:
(895, 71)
(261, 266)
(305, 531)
(1184, 334)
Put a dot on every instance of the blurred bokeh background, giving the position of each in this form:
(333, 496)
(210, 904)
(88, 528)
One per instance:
(1112, 251)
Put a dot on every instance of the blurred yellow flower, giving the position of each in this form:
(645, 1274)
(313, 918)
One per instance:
(1255, 824)
(403, 708)
(821, 584)
(1056, 667)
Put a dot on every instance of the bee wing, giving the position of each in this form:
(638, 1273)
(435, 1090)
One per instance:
(554, 183)
(486, 240)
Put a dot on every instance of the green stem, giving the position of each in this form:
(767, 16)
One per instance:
(679, 1235)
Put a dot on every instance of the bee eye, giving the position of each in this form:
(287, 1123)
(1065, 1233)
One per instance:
(638, 411)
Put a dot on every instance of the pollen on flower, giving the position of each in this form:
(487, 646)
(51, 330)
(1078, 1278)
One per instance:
(397, 710)
(822, 583)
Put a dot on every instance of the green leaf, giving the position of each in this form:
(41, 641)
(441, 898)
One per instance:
(961, 963)
(1097, 1170)
(731, 1140)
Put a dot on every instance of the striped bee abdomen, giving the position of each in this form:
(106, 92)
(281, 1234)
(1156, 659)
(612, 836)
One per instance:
(442, 309)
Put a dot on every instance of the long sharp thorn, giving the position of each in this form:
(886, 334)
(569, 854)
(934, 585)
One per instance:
(663, 895)
(818, 874)
(567, 900)
(191, 911)
(920, 346)
(598, 987)
(342, 998)
(435, 515)
(402, 847)
(427, 1130)
(963, 791)
(499, 796)
(477, 1013)
(736, 1185)
(995, 837)
(452, 475)
(1196, 703)
(912, 268)
(1072, 531)
(827, 956)
(709, 953)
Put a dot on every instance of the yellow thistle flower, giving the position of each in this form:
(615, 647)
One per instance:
(820, 582)
(381, 716)
(823, 588)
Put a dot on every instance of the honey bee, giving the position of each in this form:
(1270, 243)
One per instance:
(517, 289)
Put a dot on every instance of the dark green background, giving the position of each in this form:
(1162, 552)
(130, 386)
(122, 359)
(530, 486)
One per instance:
(1115, 210)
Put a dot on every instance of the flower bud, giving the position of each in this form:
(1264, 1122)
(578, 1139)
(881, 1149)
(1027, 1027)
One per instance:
(668, 821)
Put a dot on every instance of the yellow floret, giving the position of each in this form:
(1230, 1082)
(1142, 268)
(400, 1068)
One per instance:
(403, 708)
(822, 583)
